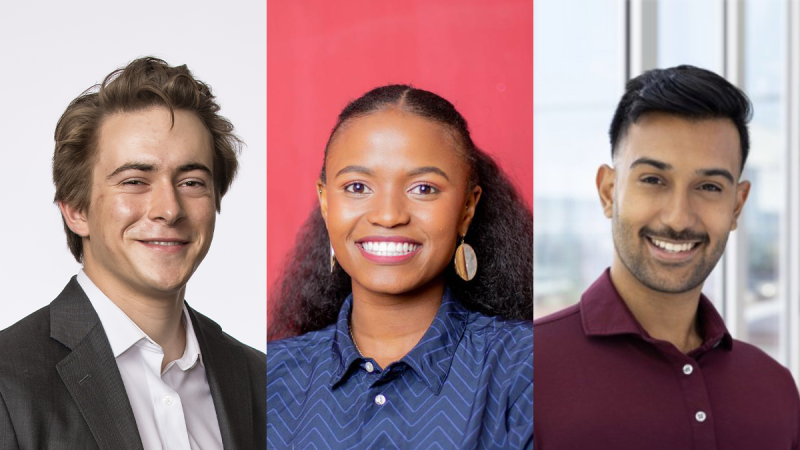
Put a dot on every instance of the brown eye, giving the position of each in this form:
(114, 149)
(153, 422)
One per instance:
(424, 189)
(651, 180)
(710, 188)
(357, 188)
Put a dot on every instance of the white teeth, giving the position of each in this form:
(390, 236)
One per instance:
(673, 248)
(164, 243)
(388, 248)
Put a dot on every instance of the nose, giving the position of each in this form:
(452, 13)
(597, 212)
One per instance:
(679, 213)
(389, 210)
(165, 204)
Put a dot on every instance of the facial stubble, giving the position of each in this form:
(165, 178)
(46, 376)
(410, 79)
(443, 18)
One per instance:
(630, 244)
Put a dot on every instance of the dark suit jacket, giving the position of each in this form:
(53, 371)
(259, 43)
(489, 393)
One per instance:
(60, 387)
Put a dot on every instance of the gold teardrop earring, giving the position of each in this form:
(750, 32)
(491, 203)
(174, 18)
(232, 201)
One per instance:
(466, 261)
(333, 259)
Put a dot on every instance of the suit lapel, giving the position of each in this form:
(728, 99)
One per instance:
(229, 382)
(90, 371)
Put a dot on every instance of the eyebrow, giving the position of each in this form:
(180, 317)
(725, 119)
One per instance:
(194, 166)
(718, 173)
(356, 169)
(144, 167)
(132, 166)
(411, 173)
(660, 165)
(428, 169)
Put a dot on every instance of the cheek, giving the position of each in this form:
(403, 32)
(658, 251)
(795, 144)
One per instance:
(118, 210)
(637, 207)
(718, 221)
(343, 215)
(441, 223)
(203, 213)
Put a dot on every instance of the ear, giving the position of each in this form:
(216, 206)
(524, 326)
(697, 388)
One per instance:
(606, 181)
(322, 196)
(473, 197)
(76, 220)
(742, 192)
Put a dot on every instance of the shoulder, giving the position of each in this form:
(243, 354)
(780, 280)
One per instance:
(211, 329)
(503, 344)
(35, 324)
(308, 343)
(564, 322)
(304, 349)
(751, 362)
(507, 343)
(501, 332)
(26, 341)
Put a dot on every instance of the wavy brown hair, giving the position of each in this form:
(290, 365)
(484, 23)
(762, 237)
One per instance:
(308, 296)
(144, 83)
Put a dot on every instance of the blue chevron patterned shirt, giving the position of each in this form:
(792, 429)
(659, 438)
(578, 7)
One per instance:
(468, 384)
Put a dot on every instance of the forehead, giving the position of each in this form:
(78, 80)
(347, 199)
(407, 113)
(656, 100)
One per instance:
(682, 143)
(392, 138)
(149, 136)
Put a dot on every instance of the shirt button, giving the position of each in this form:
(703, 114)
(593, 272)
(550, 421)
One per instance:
(380, 399)
(167, 400)
(369, 367)
(700, 416)
(688, 369)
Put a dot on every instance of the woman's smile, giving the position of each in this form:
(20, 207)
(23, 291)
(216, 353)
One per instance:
(388, 249)
(395, 200)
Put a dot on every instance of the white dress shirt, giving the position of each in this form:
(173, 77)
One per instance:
(173, 408)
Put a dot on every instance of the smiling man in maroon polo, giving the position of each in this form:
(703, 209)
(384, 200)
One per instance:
(644, 361)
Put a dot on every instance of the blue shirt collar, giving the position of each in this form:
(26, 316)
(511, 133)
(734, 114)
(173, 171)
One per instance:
(430, 359)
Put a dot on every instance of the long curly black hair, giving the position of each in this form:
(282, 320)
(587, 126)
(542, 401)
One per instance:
(308, 296)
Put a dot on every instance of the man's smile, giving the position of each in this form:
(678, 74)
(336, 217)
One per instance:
(673, 247)
(673, 252)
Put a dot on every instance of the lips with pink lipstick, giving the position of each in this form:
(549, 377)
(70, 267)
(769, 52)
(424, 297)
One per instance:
(388, 249)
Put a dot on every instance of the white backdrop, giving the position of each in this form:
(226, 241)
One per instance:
(52, 51)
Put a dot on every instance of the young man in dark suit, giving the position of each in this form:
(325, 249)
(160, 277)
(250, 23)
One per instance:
(118, 360)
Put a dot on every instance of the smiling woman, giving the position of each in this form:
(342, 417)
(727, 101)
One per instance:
(388, 327)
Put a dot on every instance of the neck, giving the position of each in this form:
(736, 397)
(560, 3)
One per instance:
(157, 316)
(387, 326)
(665, 316)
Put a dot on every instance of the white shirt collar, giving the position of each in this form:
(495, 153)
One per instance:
(123, 333)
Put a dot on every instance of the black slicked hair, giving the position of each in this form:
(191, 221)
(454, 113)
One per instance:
(684, 91)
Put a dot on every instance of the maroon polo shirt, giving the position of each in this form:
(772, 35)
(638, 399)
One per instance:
(601, 382)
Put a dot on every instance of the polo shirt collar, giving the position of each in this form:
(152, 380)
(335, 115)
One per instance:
(604, 313)
(430, 359)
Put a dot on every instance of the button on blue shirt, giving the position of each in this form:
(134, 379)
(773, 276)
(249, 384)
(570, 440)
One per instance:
(468, 384)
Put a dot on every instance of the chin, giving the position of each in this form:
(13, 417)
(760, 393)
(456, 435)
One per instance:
(165, 284)
(390, 289)
(393, 285)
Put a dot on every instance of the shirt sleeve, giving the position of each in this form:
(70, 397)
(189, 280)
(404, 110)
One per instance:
(519, 420)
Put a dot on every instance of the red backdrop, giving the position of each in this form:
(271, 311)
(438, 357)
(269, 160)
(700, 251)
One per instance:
(321, 54)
